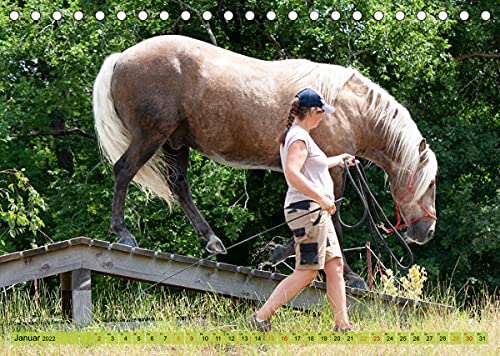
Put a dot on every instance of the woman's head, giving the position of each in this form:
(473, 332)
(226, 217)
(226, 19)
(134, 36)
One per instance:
(307, 102)
(297, 111)
(310, 98)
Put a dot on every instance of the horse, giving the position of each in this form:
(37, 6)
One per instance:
(168, 94)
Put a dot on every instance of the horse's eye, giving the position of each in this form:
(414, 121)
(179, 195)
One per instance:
(432, 183)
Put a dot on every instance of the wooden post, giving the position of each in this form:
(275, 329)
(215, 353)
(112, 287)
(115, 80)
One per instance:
(66, 294)
(76, 295)
(81, 296)
(369, 263)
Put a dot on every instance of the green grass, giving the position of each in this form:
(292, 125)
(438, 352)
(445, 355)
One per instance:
(173, 311)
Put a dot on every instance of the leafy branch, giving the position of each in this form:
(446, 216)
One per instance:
(20, 205)
(65, 132)
(477, 55)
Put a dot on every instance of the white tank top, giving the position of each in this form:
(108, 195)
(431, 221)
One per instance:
(315, 167)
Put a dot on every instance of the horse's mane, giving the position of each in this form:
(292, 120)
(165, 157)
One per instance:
(400, 131)
(391, 118)
(328, 79)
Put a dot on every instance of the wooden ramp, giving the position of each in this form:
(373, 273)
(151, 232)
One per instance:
(76, 259)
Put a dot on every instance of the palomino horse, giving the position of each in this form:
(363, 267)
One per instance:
(177, 93)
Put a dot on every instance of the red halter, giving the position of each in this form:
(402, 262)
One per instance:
(398, 223)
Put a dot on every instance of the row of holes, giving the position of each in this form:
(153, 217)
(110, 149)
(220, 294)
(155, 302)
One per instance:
(249, 15)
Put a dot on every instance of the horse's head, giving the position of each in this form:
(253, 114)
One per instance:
(415, 195)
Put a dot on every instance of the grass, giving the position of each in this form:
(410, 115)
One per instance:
(173, 311)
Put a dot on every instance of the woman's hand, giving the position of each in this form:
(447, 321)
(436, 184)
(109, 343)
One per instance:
(339, 160)
(327, 205)
(346, 156)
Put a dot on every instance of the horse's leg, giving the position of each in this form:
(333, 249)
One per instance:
(179, 160)
(353, 280)
(138, 153)
(282, 252)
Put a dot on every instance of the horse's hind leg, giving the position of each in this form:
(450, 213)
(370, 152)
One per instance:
(178, 177)
(124, 170)
(353, 280)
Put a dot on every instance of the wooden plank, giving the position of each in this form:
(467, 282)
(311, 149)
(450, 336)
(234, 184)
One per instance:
(40, 266)
(175, 273)
(58, 245)
(99, 243)
(208, 263)
(244, 270)
(226, 267)
(34, 251)
(10, 257)
(260, 273)
(82, 240)
(318, 284)
(120, 247)
(279, 277)
(143, 252)
(186, 259)
(164, 256)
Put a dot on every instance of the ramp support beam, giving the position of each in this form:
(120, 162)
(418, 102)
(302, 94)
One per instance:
(76, 295)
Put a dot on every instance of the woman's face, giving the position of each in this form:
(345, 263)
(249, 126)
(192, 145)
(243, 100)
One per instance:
(316, 114)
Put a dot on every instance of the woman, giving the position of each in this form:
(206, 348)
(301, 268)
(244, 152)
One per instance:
(310, 186)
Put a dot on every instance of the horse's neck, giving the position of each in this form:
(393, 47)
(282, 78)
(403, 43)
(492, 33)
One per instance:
(382, 129)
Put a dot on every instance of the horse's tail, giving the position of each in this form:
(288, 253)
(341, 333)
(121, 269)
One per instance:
(114, 138)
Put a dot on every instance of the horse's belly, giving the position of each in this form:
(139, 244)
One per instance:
(240, 155)
(224, 147)
(244, 163)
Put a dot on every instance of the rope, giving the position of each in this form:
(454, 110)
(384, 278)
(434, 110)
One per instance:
(354, 248)
(371, 207)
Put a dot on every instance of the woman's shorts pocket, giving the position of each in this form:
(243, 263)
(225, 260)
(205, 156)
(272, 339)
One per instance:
(309, 253)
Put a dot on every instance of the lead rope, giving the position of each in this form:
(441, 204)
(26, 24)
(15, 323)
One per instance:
(360, 184)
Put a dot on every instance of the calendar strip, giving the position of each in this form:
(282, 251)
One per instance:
(251, 338)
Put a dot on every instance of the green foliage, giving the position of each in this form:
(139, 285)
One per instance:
(47, 69)
(20, 206)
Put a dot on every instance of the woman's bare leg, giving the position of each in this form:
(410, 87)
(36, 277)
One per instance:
(286, 290)
(335, 288)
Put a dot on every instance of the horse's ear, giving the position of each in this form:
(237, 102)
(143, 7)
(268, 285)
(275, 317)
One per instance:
(422, 146)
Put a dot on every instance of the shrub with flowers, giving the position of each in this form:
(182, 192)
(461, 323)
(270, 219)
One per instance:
(411, 286)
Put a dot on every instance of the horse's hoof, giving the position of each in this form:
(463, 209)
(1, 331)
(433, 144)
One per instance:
(129, 241)
(216, 246)
(358, 283)
(280, 252)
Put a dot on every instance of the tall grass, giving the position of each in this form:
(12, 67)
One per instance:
(164, 310)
